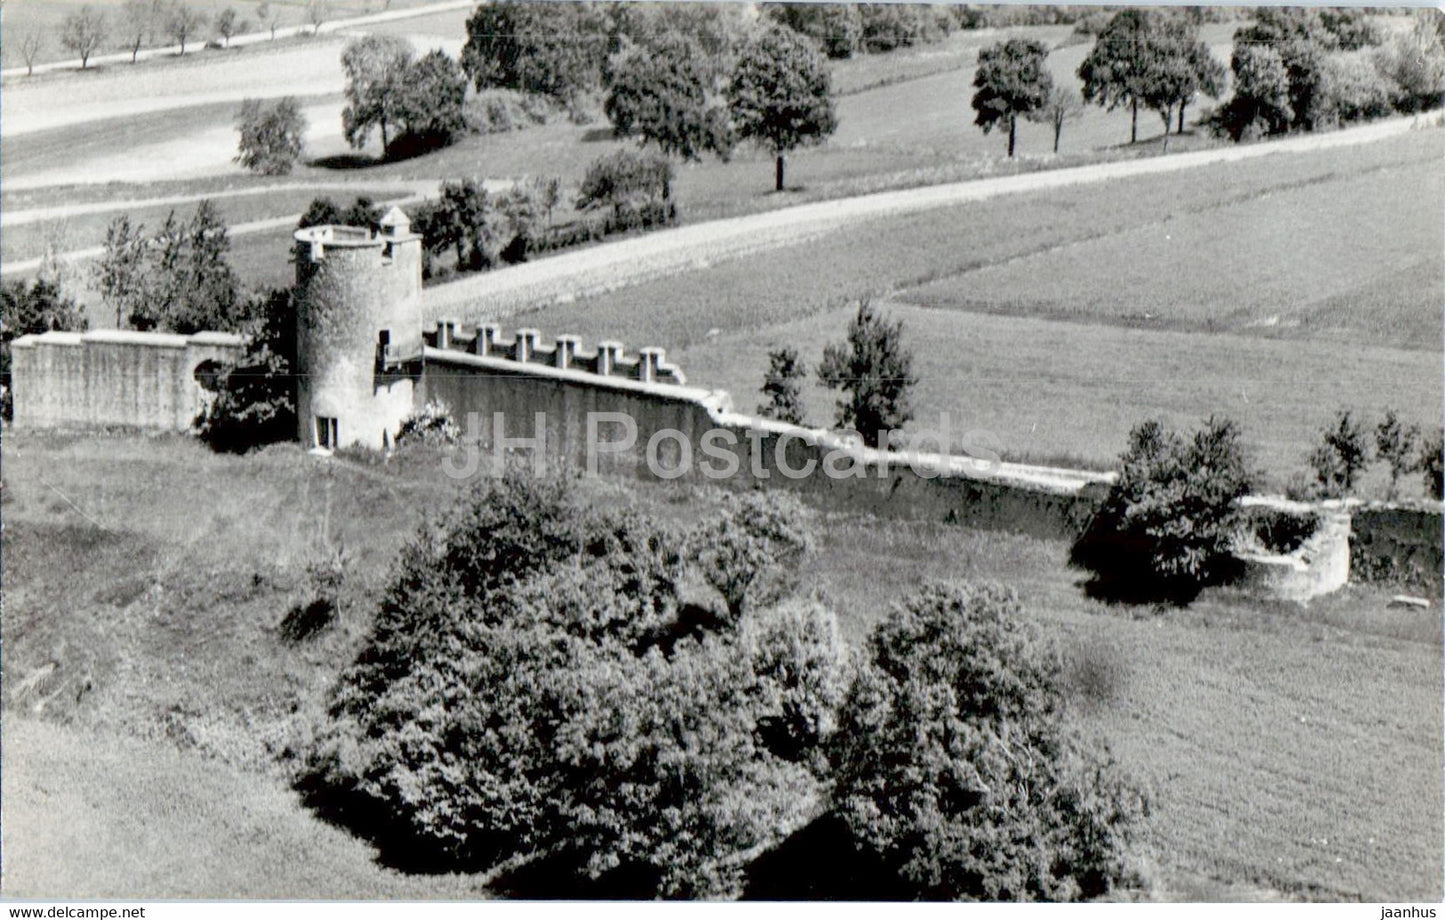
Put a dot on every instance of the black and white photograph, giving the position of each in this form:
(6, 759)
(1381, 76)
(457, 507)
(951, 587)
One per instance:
(557, 451)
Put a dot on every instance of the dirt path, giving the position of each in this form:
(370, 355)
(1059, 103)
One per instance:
(613, 265)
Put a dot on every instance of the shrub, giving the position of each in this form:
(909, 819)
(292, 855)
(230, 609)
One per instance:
(627, 181)
(836, 27)
(273, 136)
(1166, 527)
(1414, 63)
(432, 426)
(756, 534)
(1342, 455)
(1279, 531)
(952, 763)
(1353, 89)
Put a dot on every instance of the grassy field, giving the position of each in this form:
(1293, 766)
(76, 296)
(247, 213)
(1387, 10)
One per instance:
(1357, 323)
(1291, 752)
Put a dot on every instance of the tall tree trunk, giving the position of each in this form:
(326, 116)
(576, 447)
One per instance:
(778, 174)
(1058, 130)
(1167, 116)
(1134, 121)
(385, 144)
(1181, 117)
(1012, 131)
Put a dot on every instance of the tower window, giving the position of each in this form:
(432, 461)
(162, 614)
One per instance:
(326, 432)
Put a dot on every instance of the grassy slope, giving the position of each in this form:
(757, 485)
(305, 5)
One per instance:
(1263, 730)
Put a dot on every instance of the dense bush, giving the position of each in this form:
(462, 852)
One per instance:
(1414, 63)
(526, 689)
(952, 763)
(782, 386)
(836, 27)
(1279, 531)
(631, 183)
(30, 308)
(1353, 89)
(432, 425)
(255, 403)
(1432, 464)
(1166, 527)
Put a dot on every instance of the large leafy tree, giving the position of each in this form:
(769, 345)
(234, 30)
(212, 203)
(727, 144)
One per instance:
(1260, 104)
(1167, 526)
(1120, 67)
(875, 371)
(430, 104)
(272, 135)
(953, 765)
(552, 49)
(659, 94)
(531, 685)
(376, 72)
(1303, 42)
(781, 94)
(1012, 80)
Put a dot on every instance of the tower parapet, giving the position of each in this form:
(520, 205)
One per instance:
(354, 288)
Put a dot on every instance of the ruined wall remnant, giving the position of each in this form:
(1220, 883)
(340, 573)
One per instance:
(106, 378)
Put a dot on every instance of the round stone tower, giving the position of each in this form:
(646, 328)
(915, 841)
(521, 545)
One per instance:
(358, 331)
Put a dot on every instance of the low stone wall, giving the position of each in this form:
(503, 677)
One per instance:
(114, 378)
(1399, 546)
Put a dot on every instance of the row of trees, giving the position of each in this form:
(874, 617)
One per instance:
(535, 688)
(688, 81)
(1141, 58)
(177, 279)
(1348, 446)
(1300, 69)
(141, 23)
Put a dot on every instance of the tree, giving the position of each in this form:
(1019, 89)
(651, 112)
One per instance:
(82, 32)
(782, 385)
(1119, 68)
(120, 275)
(954, 767)
(836, 27)
(268, 16)
(462, 222)
(1414, 61)
(875, 370)
(182, 23)
(1012, 80)
(1342, 455)
(1396, 445)
(376, 69)
(321, 211)
(1062, 107)
(138, 24)
(756, 533)
(1261, 101)
(227, 24)
(31, 44)
(1299, 37)
(177, 279)
(659, 94)
(552, 49)
(273, 136)
(317, 12)
(1432, 464)
(1181, 66)
(781, 95)
(429, 107)
(1165, 529)
(30, 308)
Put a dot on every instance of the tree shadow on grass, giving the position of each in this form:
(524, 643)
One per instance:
(347, 161)
(822, 862)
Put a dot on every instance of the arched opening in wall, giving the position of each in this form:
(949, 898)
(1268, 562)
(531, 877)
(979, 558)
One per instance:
(211, 375)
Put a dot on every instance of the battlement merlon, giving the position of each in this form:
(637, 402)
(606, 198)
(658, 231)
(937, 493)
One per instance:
(565, 352)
